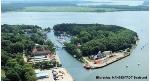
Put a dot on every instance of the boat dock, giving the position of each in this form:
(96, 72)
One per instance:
(108, 61)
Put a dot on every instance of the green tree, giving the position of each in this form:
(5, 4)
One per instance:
(12, 75)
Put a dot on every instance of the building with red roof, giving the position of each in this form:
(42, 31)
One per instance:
(43, 52)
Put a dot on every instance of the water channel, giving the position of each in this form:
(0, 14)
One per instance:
(134, 20)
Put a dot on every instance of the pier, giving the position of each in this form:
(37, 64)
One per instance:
(107, 61)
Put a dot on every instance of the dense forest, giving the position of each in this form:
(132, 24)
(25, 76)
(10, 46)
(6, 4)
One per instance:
(13, 44)
(95, 37)
(20, 6)
(123, 7)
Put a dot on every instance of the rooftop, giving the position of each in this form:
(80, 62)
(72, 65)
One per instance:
(43, 52)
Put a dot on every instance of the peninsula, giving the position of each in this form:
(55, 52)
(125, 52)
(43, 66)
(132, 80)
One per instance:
(97, 44)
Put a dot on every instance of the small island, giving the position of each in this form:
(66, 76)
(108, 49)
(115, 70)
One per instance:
(97, 45)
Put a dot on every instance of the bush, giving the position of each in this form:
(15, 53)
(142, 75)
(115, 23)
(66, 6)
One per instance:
(128, 50)
(59, 65)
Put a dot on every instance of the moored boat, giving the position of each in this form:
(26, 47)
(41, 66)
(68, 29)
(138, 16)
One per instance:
(86, 66)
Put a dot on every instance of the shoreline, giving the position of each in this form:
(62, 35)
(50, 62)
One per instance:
(57, 58)
(79, 11)
(108, 63)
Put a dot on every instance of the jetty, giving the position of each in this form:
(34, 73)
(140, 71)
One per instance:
(106, 61)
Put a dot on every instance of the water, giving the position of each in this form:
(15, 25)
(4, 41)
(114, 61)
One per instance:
(134, 20)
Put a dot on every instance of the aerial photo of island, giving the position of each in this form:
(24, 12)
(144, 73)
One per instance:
(74, 40)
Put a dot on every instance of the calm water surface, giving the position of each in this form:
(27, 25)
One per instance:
(134, 20)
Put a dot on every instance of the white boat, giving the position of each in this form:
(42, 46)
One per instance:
(74, 55)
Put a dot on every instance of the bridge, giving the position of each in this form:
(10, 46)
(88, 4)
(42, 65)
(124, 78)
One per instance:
(59, 46)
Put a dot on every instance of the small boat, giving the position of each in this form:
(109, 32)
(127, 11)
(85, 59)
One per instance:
(86, 66)
(74, 56)
(138, 63)
(126, 65)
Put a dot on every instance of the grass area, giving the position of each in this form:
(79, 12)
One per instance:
(64, 9)
(136, 38)
(89, 59)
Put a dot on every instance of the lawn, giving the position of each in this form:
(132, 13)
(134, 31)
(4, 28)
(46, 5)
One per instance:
(89, 59)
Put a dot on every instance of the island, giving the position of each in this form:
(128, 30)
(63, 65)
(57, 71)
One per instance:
(97, 45)
(27, 55)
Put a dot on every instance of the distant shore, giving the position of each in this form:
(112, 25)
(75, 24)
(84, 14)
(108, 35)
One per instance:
(76, 9)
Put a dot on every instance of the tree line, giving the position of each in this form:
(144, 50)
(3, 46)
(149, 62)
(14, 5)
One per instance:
(46, 64)
(11, 7)
(21, 29)
(71, 48)
(20, 6)
(95, 37)
(123, 7)
(13, 44)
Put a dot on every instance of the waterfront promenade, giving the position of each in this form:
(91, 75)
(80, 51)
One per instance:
(107, 61)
